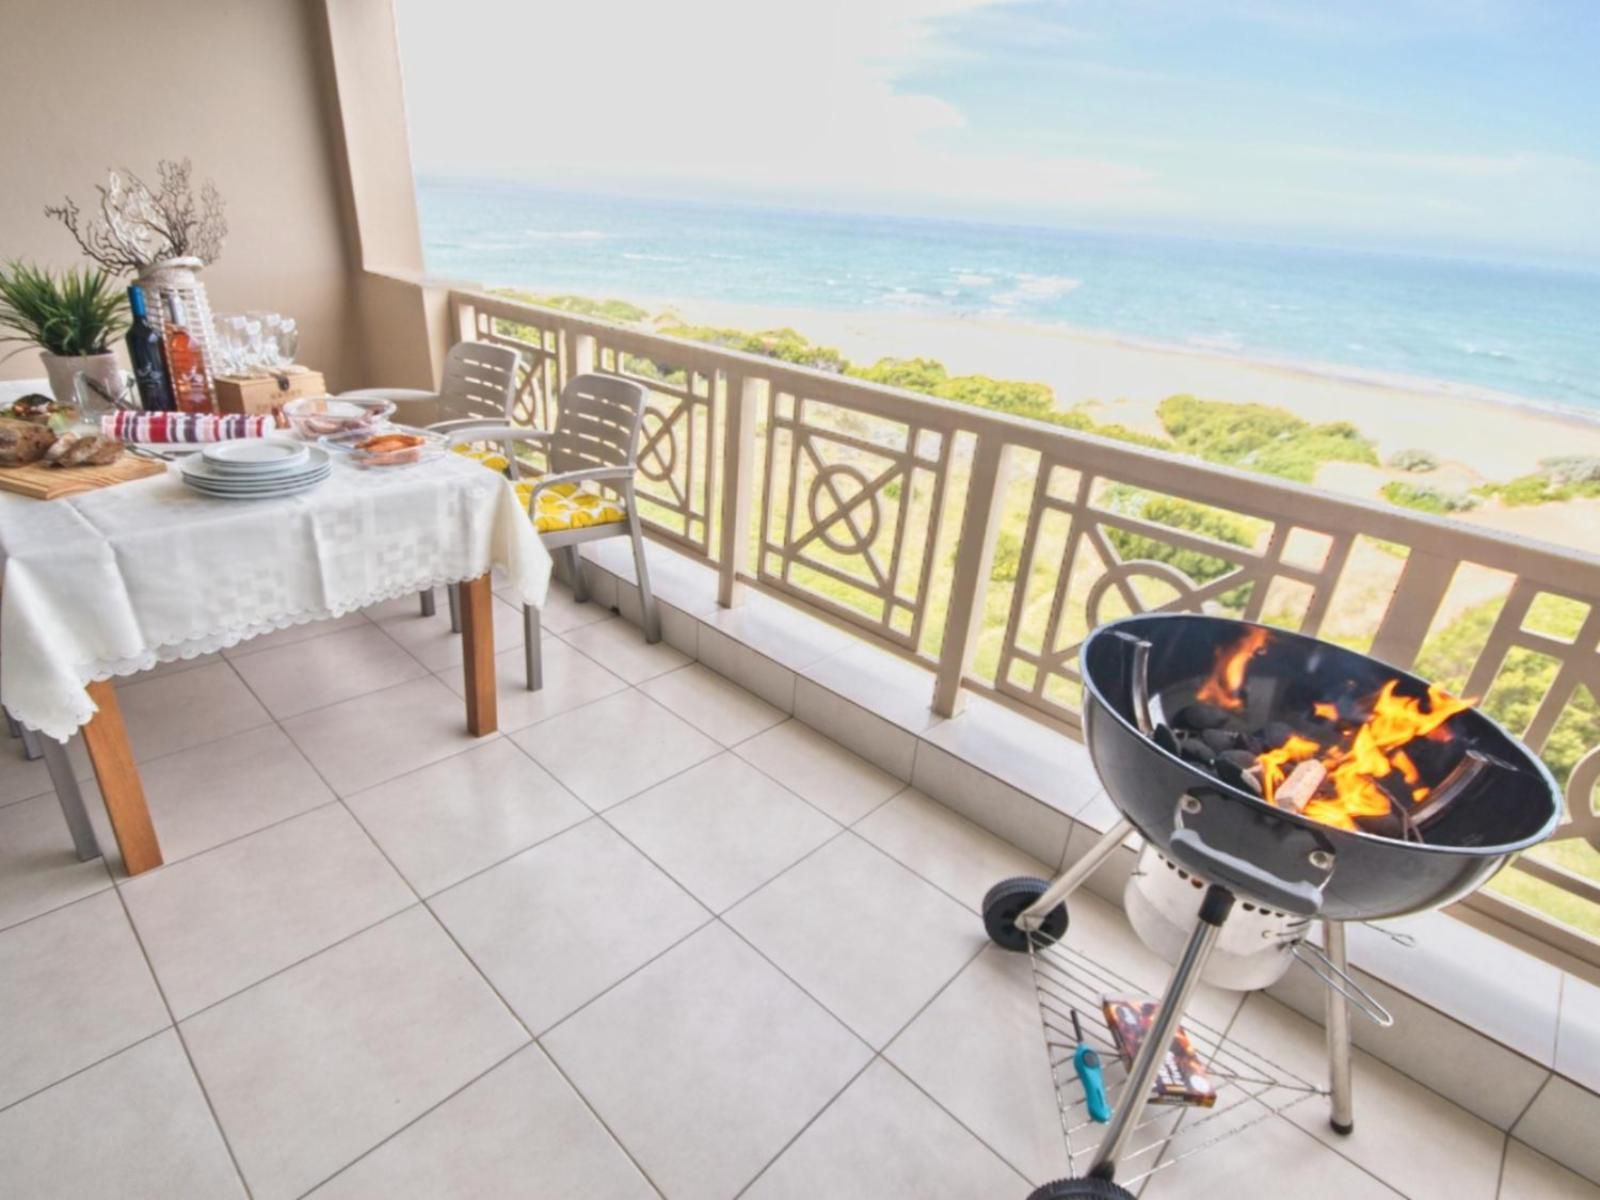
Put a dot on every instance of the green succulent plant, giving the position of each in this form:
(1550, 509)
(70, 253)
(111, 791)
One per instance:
(80, 311)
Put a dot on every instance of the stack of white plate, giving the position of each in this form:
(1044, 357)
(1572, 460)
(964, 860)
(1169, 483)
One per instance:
(256, 469)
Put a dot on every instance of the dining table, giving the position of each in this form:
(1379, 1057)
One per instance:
(111, 582)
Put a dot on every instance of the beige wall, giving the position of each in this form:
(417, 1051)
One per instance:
(253, 102)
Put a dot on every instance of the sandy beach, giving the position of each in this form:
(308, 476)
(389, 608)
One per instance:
(1478, 437)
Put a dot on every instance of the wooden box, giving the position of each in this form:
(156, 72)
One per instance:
(261, 394)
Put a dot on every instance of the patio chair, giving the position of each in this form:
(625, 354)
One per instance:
(479, 384)
(587, 491)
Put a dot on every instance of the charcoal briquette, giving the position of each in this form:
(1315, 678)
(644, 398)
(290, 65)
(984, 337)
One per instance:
(1201, 715)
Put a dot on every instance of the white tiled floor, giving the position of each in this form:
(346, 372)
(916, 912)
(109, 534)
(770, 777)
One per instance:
(658, 938)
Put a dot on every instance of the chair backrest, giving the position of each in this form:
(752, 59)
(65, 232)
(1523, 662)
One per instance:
(480, 382)
(598, 423)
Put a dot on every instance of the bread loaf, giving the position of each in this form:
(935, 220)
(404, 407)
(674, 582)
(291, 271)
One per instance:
(23, 442)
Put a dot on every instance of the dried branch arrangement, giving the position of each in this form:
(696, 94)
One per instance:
(138, 225)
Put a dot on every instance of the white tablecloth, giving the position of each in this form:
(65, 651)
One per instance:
(114, 581)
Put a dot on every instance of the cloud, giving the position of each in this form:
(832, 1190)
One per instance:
(802, 101)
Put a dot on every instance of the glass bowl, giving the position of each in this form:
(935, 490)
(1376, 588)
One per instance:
(388, 446)
(313, 417)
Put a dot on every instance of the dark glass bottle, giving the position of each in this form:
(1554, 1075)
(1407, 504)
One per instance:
(147, 357)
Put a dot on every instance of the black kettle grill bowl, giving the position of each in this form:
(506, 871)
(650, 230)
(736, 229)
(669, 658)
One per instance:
(1233, 837)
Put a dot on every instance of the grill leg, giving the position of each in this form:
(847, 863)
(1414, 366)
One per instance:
(1214, 910)
(1342, 1116)
(1032, 918)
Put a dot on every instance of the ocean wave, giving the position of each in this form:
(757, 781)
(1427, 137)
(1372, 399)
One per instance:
(564, 235)
(660, 258)
(1030, 288)
(972, 279)
(1215, 341)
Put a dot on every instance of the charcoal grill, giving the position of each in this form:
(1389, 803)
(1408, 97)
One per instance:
(1237, 851)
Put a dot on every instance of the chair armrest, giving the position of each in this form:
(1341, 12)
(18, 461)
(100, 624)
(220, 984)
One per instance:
(466, 430)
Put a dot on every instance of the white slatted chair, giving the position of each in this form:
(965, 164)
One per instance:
(587, 493)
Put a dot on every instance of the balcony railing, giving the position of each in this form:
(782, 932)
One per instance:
(987, 546)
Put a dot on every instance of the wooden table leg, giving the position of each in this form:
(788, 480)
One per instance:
(477, 652)
(106, 739)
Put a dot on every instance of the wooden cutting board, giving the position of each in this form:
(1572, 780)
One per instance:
(50, 483)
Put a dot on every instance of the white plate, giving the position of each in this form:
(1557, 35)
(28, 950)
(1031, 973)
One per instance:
(198, 466)
(276, 485)
(255, 456)
(274, 493)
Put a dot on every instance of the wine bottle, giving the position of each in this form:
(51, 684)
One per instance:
(146, 355)
(186, 362)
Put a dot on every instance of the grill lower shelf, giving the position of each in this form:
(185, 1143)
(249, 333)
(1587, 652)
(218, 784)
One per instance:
(1250, 1087)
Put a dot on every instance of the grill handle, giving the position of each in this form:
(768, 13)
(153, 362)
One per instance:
(1191, 850)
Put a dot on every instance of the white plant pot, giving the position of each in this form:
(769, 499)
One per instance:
(63, 373)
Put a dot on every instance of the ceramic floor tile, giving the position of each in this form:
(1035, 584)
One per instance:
(884, 1138)
(713, 704)
(39, 870)
(570, 681)
(298, 633)
(1414, 1139)
(978, 1050)
(174, 712)
(1561, 1124)
(882, 743)
(202, 797)
(444, 822)
(429, 639)
(884, 683)
(1529, 1175)
(136, 1125)
(74, 989)
(945, 848)
(1578, 1045)
(19, 778)
(816, 922)
(841, 784)
(780, 632)
(171, 668)
(1272, 1158)
(621, 649)
(616, 747)
(214, 924)
(310, 674)
(560, 923)
(316, 1065)
(750, 669)
(519, 1131)
(722, 829)
(359, 743)
(1025, 822)
(561, 613)
(706, 1063)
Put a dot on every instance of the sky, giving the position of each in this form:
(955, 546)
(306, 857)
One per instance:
(1428, 125)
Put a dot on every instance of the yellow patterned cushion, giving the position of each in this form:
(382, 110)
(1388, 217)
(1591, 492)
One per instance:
(493, 459)
(570, 506)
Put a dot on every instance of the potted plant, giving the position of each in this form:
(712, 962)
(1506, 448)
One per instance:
(74, 319)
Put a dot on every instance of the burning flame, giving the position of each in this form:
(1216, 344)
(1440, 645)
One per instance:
(1365, 754)
(1227, 677)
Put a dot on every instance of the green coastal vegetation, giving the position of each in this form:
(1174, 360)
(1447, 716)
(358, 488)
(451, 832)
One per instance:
(1252, 437)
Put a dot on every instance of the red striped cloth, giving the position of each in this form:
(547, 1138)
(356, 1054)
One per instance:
(183, 427)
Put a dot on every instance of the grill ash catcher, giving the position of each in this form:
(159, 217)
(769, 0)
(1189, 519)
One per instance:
(1282, 786)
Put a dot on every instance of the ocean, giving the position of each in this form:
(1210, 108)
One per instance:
(1526, 331)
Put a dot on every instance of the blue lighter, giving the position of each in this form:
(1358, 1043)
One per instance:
(1087, 1063)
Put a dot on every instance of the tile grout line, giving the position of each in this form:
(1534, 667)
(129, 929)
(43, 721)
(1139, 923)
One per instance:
(194, 1070)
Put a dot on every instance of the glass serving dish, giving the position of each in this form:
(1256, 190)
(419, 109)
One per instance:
(313, 417)
(387, 446)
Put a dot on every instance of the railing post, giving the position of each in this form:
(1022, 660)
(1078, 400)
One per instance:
(738, 478)
(581, 352)
(465, 315)
(1423, 582)
(980, 527)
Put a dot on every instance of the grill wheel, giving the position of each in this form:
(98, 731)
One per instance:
(1006, 901)
(1080, 1189)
